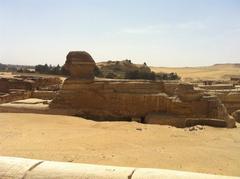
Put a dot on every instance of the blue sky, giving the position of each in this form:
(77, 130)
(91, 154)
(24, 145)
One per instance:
(159, 32)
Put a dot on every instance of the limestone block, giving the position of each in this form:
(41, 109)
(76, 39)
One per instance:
(186, 92)
(44, 94)
(208, 122)
(127, 99)
(165, 119)
(61, 170)
(16, 168)
(20, 168)
(232, 97)
(146, 173)
(169, 88)
(231, 100)
(236, 115)
(4, 85)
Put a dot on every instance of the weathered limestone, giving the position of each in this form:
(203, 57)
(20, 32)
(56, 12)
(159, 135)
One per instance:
(15, 83)
(44, 94)
(80, 64)
(165, 119)
(4, 85)
(236, 115)
(111, 99)
(47, 83)
(186, 92)
(52, 170)
(231, 100)
(209, 122)
(217, 86)
(14, 95)
(22, 87)
(16, 168)
(143, 173)
(126, 99)
(21, 168)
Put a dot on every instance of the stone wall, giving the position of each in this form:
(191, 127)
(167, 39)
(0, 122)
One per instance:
(4, 87)
(44, 94)
(170, 87)
(231, 100)
(14, 95)
(217, 86)
(51, 83)
(127, 99)
(14, 83)
(22, 87)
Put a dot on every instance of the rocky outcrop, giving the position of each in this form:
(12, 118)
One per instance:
(120, 69)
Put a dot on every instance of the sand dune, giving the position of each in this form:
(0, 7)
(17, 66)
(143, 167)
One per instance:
(65, 138)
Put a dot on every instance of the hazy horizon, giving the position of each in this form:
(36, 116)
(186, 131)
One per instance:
(134, 62)
(161, 33)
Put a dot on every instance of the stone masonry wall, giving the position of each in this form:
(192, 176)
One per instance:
(133, 99)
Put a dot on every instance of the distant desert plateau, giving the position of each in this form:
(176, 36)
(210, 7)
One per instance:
(72, 139)
(214, 72)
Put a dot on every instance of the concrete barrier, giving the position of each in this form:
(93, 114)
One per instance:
(21, 168)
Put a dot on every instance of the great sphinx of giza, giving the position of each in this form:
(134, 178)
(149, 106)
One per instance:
(80, 64)
(103, 99)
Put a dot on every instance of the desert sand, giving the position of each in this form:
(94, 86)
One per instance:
(214, 72)
(74, 139)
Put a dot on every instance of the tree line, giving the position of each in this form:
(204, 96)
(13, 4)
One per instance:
(132, 74)
(49, 69)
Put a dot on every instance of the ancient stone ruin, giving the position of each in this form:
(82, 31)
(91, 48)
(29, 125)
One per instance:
(80, 65)
(103, 99)
(23, 87)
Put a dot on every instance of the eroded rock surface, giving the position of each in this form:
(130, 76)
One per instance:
(80, 64)
(126, 99)
(236, 115)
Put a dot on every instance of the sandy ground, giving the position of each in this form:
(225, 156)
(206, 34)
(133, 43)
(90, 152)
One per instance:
(30, 103)
(215, 72)
(6, 75)
(12, 75)
(72, 139)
